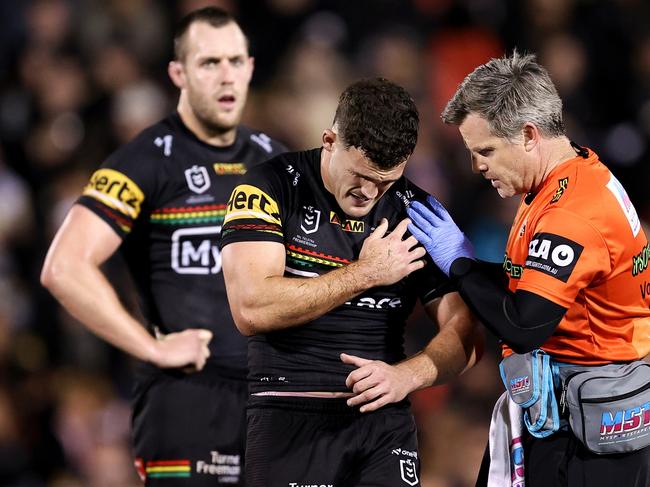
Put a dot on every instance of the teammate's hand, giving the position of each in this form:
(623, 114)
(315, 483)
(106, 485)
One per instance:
(388, 258)
(188, 348)
(375, 383)
(435, 229)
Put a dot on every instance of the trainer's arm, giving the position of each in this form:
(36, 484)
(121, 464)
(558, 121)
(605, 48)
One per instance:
(72, 274)
(457, 347)
(262, 299)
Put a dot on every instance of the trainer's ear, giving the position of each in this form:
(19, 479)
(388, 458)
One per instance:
(531, 136)
(176, 72)
(329, 138)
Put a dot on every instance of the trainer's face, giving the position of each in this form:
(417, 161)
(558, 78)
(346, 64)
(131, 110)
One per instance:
(354, 180)
(504, 163)
(214, 75)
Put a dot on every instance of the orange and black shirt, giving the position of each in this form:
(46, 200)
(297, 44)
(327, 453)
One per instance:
(579, 243)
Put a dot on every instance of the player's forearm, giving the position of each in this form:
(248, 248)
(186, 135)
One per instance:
(455, 349)
(86, 294)
(279, 302)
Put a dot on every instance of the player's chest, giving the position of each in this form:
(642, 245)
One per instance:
(319, 236)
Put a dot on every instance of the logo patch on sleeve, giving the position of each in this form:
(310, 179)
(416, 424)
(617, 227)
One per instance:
(553, 255)
(115, 190)
(250, 202)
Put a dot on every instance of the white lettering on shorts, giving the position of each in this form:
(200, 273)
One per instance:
(226, 467)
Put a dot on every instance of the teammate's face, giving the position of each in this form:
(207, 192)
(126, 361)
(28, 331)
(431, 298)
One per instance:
(354, 180)
(502, 162)
(214, 75)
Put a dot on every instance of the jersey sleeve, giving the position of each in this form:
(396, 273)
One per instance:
(565, 254)
(255, 208)
(119, 190)
(430, 282)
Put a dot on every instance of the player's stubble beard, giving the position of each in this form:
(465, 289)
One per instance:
(207, 113)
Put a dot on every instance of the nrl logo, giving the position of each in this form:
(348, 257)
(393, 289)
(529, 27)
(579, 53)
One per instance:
(408, 471)
(310, 219)
(197, 179)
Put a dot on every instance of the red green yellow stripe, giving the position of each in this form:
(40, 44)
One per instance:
(168, 468)
(185, 215)
(317, 257)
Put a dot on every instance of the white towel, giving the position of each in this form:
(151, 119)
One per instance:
(506, 448)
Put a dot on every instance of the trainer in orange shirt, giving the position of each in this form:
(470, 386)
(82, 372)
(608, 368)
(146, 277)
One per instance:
(576, 260)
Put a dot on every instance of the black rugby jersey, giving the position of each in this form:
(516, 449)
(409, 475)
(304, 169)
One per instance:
(285, 201)
(165, 193)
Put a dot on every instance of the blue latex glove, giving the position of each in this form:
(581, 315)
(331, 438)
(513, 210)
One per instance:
(436, 231)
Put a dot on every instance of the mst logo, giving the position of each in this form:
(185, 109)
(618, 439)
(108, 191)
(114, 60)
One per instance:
(355, 226)
(195, 250)
(115, 190)
(248, 201)
(553, 255)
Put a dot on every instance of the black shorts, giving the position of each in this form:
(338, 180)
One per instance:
(190, 433)
(303, 441)
(560, 460)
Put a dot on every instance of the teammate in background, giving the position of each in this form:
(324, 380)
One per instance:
(320, 271)
(574, 259)
(162, 198)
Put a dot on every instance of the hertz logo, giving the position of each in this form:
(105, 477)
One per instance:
(355, 226)
(115, 190)
(228, 168)
(247, 201)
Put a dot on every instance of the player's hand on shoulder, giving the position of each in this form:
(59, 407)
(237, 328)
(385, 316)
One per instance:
(375, 383)
(385, 259)
(187, 349)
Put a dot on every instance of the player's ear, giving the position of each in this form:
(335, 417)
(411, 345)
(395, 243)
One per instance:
(329, 137)
(176, 73)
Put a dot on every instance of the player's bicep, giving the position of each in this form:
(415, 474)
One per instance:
(86, 237)
(247, 267)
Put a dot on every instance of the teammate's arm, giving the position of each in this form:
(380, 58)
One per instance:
(72, 274)
(456, 347)
(262, 299)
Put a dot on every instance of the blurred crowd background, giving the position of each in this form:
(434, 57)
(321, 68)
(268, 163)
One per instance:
(80, 77)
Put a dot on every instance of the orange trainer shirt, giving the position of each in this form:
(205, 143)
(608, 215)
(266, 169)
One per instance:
(580, 244)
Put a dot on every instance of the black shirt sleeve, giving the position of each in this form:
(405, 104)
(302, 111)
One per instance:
(125, 183)
(523, 320)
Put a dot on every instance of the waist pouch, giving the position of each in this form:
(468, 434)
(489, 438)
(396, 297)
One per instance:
(609, 405)
(528, 378)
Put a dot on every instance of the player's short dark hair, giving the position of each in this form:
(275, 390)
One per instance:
(214, 16)
(380, 119)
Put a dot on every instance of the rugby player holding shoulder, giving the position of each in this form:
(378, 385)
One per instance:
(322, 275)
(161, 198)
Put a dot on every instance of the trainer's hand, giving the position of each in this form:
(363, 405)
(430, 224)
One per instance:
(188, 348)
(435, 229)
(385, 259)
(375, 383)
